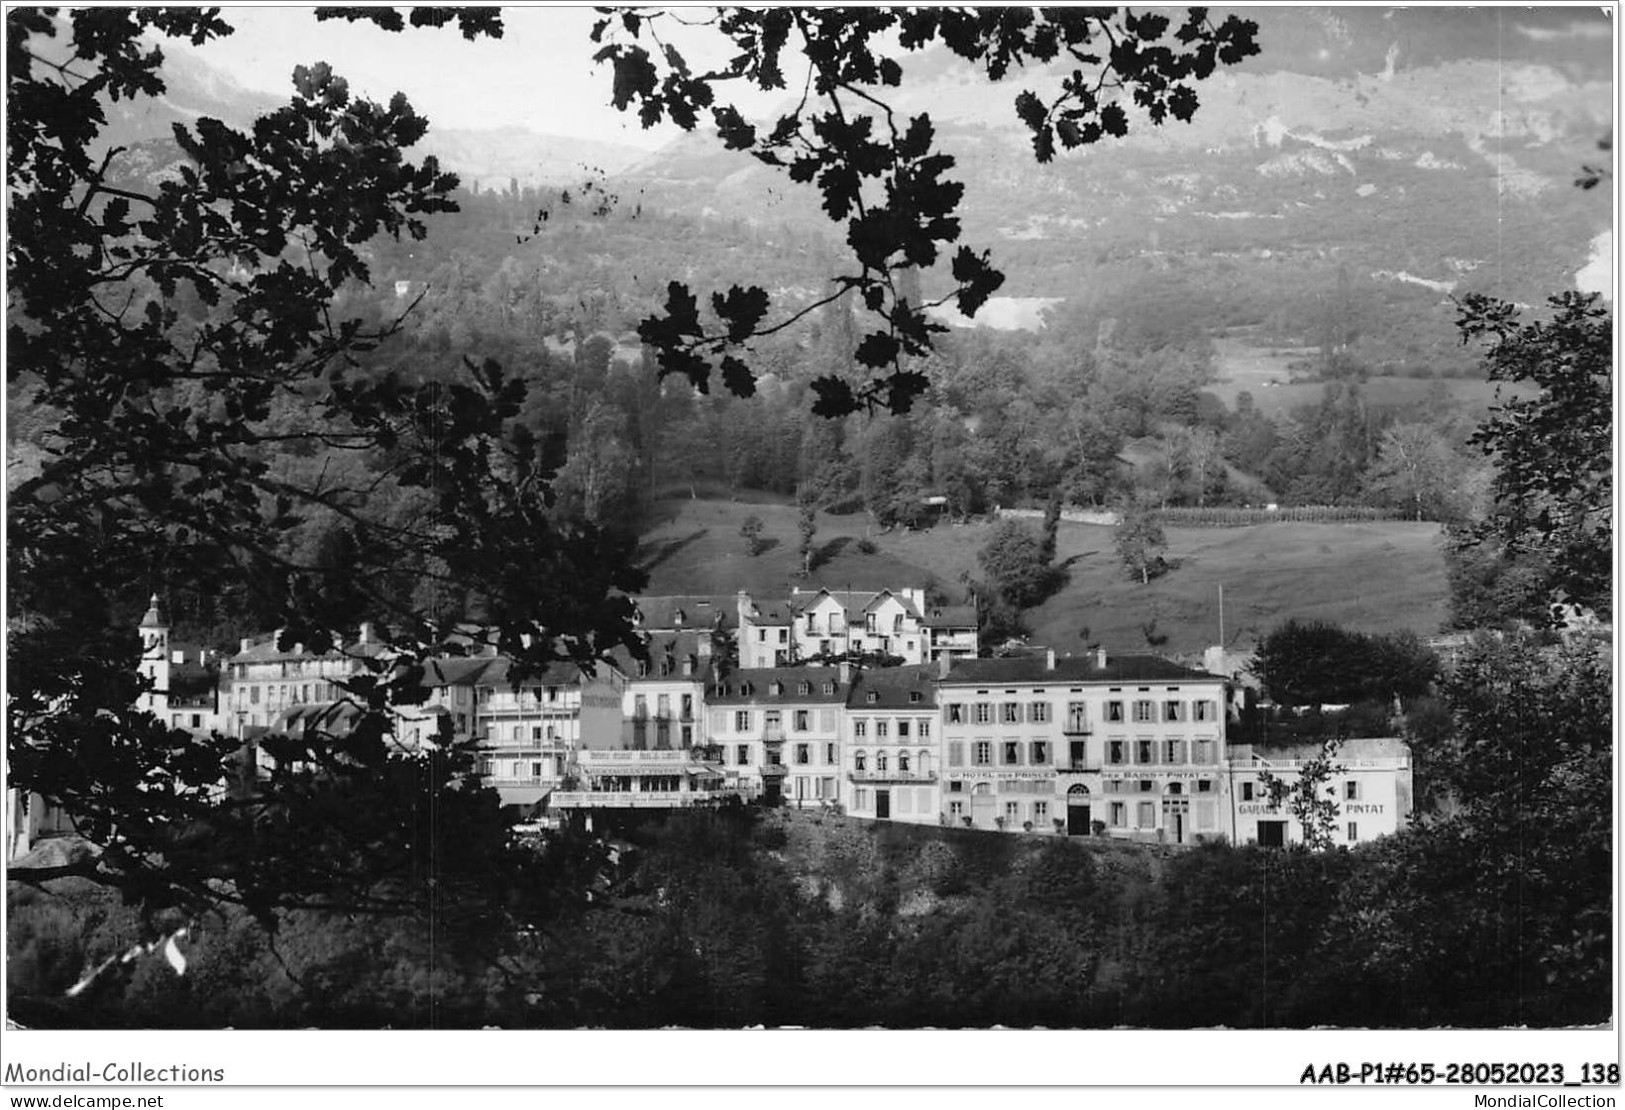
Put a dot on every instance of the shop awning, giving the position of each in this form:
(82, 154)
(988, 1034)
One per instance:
(522, 795)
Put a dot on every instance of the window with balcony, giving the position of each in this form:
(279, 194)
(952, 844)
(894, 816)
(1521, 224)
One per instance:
(1114, 711)
(982, 754)
(1010, 713)
(860, 761)
(902, 762)
(1145, 711)
(880, 763)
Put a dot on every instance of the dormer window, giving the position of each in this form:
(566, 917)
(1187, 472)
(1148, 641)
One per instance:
(914, 697)
(829, 688)
(803, 689)
(775, 688)
(871, 697)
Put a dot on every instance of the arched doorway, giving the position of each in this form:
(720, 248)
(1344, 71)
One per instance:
(1077, 811)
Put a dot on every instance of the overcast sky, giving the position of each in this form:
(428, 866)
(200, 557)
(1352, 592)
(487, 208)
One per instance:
(540, 75)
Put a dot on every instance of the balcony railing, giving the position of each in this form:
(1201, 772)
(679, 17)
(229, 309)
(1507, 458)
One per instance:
(775, 769)
(773, 734)
(635, 799)
(892, 776)
(1076, 766)
(1077, 728)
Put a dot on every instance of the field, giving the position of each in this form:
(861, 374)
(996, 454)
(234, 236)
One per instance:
(1371, 576)
(1264, 372)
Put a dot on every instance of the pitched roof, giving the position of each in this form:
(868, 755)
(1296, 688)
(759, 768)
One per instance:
(949, 616)
(1074, 668)
(851, 601)
(750, 685)
(667, 653)
(908, 687)
(502, 671)
(685, 611)
(266, 651)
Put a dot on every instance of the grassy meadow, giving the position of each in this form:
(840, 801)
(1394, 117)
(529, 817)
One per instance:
(1377, 576)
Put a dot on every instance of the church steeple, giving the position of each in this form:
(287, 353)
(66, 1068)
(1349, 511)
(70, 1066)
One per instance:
(155, 658)
(155, 615)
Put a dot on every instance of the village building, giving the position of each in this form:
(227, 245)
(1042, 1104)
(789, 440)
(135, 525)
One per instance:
(779, 731)
(1131, 746)
(661, 706)
(890, 741)
(532, 727)
(1370, 785)
(662, 759)
(823, 624)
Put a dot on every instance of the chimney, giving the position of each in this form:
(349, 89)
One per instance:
(177, 657)
(242, 646)
(366, 632)
(1049, 659)
(1100, 657)
(703, 644)
(846, 673)
(943, 663)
